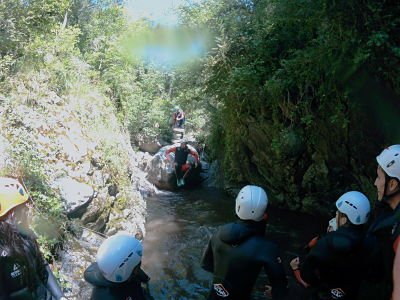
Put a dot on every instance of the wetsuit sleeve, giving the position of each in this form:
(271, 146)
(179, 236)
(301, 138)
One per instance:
(276, 275)
(47, 276)
(207, 261)
(52, 285)
(318, 254)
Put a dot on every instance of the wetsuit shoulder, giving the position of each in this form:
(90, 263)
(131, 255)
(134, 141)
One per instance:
(93, 275)
(344, 240)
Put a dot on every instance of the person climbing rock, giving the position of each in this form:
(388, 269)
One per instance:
(24, 273)
(383, 233)
(181, 156)
(116, 274)
(333, 267)
(238, 251)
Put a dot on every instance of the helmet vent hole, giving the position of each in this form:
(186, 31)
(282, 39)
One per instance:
(351, 204)
(130, 254)
(390, 164)
(397, 154)
(252, 211)
(120, 266)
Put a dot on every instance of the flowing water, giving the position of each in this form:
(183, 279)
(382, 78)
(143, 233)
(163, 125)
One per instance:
(178, 227)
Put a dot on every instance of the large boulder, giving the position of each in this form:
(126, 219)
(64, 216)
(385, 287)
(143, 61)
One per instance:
(75, 195)
(160, 170)
(151, 147)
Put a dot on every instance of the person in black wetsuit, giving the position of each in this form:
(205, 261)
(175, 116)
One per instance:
(24, 273)
(238, 251)
(333, 267)
(116, 274)
(383, 234)
(181, 155)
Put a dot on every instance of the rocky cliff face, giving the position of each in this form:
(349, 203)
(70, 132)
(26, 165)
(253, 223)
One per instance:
(302, 168)
(73, 145)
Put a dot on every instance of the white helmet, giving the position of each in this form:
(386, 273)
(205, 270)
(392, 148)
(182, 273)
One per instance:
(389, 160)
(251, 203)
(118, 255)
(355, 206)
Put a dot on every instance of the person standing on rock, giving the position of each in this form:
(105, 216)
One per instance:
(116, 274)
(238, 251)
(24, 273)
(180, 119)
(181, 155)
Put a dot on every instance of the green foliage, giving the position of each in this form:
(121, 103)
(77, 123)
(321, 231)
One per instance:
(281, 92)
(20, 21)
(279, 85)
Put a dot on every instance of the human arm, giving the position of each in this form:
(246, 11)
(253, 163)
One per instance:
(308, 270)
(53, 286)
(276, 275)
(396, 270)
(143, 279)
(312, 243)
(207, 260)
(43, 268)
(295, 265)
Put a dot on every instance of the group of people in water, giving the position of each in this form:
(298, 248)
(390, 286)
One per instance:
(336, 264)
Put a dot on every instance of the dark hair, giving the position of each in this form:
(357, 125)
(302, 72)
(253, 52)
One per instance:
(18, 247)
(10, 240)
